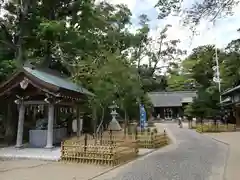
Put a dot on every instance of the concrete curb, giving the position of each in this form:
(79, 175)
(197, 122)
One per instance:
(215, 139)
(227, 156)
(171, 136)
(226, 163)
(129, 163)
(123, 164)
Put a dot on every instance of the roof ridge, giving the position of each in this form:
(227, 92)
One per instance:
(170, 92)
(57, 80)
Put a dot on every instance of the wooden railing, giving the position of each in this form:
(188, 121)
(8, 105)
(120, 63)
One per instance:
(149, 140)
(109, 150)
(145, 139)
(105, 152)
(210, 127)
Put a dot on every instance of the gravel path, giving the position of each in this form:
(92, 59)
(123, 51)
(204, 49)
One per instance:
(192, 157)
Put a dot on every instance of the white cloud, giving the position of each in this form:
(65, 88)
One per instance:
(221, 33)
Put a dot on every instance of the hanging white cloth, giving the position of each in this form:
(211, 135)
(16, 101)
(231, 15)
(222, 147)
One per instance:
(74, 125)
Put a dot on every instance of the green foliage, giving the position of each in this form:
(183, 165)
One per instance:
(112, 80)
(206, 103)
(192, 15)
(230, 68)
(91, 42)
(7, 67)
(199, 65)
(188, 110)
(180, 82)
(199, 68)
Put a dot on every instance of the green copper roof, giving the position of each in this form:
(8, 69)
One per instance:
(57, 81)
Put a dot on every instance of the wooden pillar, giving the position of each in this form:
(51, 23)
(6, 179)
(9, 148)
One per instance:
(94, 119)
(78, 121)
(237, 110)
(19, 142)
(50, 126)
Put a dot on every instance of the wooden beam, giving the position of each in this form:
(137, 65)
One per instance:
(32, 102)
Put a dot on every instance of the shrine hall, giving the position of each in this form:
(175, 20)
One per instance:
(46, 94)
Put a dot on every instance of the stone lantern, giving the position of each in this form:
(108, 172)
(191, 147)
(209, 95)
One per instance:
(114, 124)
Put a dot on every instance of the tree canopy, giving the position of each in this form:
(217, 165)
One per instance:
(91, 42)
(210, 10)
(199, 68)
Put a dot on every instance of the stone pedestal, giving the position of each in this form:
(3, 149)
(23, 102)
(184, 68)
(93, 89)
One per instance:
(38, 138)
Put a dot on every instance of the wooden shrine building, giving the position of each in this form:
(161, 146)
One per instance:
(231, 100)
(170, 104)
(42, 87)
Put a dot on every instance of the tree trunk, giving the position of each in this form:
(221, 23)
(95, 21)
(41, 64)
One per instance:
(125, 122)
(22, 16)
(95, 122)
(11, 122)
(48, 46)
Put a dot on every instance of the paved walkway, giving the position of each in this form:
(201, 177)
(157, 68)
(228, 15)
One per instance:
(192, 157)
(233, 163)
(43, 170)
(31, 153)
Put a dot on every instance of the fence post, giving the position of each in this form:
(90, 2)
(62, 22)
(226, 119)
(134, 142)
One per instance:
(62, 148)
(136, 133)
(85, 143)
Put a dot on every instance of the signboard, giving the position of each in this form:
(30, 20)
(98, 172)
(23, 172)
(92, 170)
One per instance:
(142, 116)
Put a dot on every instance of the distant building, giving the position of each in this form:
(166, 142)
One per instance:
(170, 105)
(231, 102)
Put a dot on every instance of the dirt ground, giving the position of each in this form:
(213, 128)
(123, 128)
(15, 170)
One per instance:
(43, 170)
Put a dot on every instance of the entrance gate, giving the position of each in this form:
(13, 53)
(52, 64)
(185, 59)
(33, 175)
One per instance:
(168, 113)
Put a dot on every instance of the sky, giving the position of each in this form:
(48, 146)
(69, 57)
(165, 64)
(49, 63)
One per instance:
(220, 34)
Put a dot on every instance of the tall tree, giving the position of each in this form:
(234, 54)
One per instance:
(193, 14)
(149, 54)
(230, 70)
(199, 66)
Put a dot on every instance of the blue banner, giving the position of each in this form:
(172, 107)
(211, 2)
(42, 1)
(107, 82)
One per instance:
(143, 116)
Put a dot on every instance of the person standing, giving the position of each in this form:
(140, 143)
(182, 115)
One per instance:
(180, 122)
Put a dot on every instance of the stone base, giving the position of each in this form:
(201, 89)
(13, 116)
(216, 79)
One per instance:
(31, 153)
(38, 138)
(19, 146)
(49, 147)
